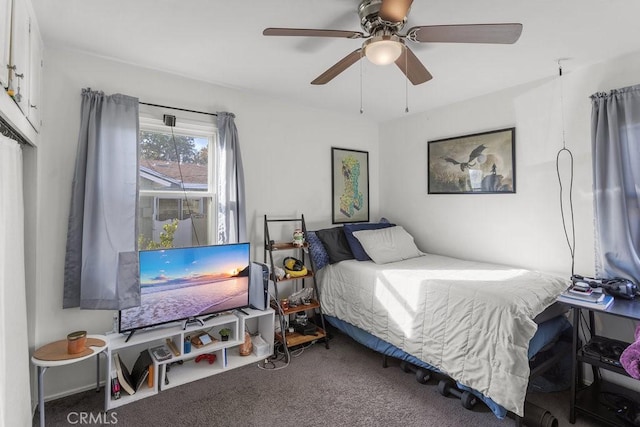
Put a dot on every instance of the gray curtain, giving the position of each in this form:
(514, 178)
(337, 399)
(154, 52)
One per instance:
(101, 264)
(615, 139)
(232, 224)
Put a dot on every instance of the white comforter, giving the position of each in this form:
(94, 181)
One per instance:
(471, 320)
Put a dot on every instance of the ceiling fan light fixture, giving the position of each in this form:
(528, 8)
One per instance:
(383, 50)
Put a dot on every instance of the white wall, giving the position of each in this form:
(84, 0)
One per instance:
(495, 227)
(286, 153)
(524, 228)
(521, 229)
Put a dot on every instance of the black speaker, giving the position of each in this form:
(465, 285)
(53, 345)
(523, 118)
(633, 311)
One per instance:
(259, 286)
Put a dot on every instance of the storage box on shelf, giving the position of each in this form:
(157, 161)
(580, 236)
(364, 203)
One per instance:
(168, 374)
(313, 309)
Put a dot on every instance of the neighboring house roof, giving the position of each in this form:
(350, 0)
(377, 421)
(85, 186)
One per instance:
(168, 174)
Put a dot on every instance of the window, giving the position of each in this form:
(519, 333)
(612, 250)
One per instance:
(177, 184)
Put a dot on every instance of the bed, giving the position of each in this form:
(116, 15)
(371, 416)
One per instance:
(469, 320)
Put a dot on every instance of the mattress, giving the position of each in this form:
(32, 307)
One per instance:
(547, 332)
(472, 321)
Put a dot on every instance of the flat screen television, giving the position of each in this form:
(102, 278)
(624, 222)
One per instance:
(178, 284)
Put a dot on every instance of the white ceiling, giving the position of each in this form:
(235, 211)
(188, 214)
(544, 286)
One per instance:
(221, 42)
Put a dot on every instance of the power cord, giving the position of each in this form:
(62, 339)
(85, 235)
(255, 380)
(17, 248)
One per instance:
(270, 365)
(571, 241)
(281, 351)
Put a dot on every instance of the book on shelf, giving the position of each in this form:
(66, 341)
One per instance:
(602, 305)
(124, 377)
(131, 381)
(140, 370)
(115, 385)
(150, 376)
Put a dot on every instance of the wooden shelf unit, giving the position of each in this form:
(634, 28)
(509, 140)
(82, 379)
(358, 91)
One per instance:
(292, 339)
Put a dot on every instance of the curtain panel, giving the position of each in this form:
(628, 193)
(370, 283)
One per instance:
(615, 141)
(231, 215)
(101, 263)
(15, 397)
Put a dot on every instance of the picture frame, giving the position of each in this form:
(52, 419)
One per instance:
(479, 163)
(349, 185)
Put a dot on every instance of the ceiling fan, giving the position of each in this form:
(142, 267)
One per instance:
(382, 20)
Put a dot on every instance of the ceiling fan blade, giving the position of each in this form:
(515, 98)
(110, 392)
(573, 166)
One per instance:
(304, 32)
(466, 33)
(339, 67)
(411, 66)
(394, 10)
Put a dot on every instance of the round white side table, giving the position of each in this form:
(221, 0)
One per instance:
(55, 354)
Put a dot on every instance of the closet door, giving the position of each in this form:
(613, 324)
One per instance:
(5, 38)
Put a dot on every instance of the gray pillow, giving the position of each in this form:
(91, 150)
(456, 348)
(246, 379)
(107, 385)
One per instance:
(388, 244)
(356, 248)
(335, 243)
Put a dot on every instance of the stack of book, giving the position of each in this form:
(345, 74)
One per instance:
(589, 298)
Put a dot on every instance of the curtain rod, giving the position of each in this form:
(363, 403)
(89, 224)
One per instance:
(176, 108)
(7, 130)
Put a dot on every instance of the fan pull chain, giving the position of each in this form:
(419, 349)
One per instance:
(406, 81)
(361, 109)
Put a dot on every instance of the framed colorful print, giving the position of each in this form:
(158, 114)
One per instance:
(480, 163)
(350, 185)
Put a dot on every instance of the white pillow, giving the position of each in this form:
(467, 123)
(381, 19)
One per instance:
(388, 244)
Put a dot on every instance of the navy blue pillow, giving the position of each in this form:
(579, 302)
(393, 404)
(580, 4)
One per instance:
(356, 248)
(335, 243)
(317, 251)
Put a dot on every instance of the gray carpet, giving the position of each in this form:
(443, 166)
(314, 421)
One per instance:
(342, 386)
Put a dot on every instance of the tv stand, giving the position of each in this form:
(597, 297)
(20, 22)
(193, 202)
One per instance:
(193, 320)
(227, 352)
(130, 335)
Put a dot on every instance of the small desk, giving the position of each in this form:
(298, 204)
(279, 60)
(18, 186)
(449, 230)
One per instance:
(61, 348)
(629, 309)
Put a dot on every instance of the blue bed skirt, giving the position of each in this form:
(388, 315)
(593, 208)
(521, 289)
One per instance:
(547, 332)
